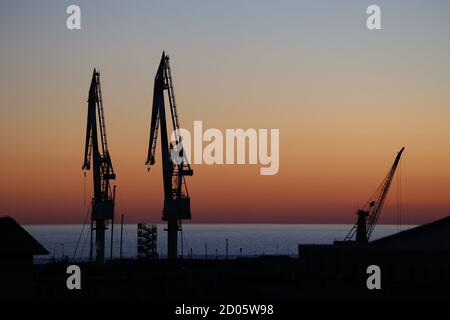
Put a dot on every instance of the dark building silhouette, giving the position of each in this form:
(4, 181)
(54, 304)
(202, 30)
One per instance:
(431, 237)
(419, 256)
(17, 249)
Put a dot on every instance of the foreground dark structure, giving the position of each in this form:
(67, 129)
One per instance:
(418, 257)
(414, 264)
(17, 249)
(258, 279)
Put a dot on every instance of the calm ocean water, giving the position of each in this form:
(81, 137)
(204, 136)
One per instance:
(244, 239)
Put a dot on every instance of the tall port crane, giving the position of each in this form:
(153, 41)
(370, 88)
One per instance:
(369, 214)
(174, 164)
(102, 208)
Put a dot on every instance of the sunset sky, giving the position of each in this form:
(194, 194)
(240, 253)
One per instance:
(345, 99)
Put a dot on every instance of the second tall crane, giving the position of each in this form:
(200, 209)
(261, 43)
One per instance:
(174, 165)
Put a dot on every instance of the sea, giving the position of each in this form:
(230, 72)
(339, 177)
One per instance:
(197, 241)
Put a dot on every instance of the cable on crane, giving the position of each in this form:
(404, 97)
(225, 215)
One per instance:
(399, 197)
(182, 240)
(84, 189)
(84, 244)
(81, 233)
(405, 192)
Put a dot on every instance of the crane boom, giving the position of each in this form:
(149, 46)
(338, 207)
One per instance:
(176, 196)
(102, 169)
(368, 216)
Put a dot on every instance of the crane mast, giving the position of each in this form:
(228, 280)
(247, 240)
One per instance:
(369, 214)
(96, 154)
(174, 164)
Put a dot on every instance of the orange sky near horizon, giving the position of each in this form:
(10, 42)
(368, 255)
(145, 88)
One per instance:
(345, 101)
